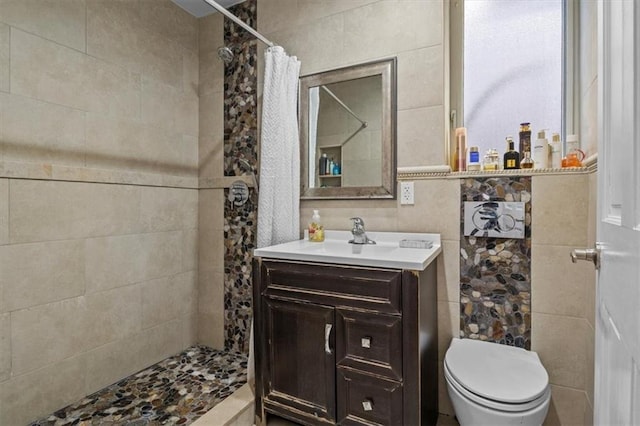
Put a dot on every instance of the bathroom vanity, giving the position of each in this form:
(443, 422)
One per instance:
(347, 334)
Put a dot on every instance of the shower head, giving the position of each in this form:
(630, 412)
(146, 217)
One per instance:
(225, 53)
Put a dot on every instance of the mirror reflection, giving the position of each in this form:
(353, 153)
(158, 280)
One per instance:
(348, 132)
(347, 143)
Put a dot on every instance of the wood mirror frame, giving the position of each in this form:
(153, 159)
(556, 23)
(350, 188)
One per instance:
(387, 190)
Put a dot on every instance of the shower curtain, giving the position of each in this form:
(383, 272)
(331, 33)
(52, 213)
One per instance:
(278, 202)
(279, 195)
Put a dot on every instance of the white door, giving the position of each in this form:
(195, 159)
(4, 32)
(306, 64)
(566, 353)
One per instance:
(617, 375)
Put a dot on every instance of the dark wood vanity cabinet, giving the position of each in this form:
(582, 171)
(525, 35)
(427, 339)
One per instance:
(345, 345)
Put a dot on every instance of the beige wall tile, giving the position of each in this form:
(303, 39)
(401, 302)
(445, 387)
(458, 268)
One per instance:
(387, 27)
(557, 285)
(33, 274)
(61, 82)
(113, 32)
(111, 89)
(567, 407)
(5, 347)
(448, 325)
(47, 334)
(63, 22)
(421, 137)
(211, 115)
(5, 54)
(211, 156)
(211, 76)
(277, 15)
(168, 209)
(449, 272)
(421, 78)
(190, 73)
(319, 45)
(436, 209)
(121, 260)
(180, 115)
(27, 397)
(211, 32)
(109, 363)
(4, 211)
(37, 131)
(169, 20)
(41, 211)
(112, 315)
(162, 341)
(189, 329)
(168, 298)
(210, 331)
(211, 209)
(560, 210)
(377, 215)
(211, 308)
(560, 342)
(190, 250)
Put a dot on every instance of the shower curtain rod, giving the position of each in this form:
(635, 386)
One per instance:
(238, 21)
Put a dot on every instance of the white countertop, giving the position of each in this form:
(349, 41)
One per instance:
(386, 253)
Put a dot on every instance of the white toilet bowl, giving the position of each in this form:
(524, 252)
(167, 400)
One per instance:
(493, 384)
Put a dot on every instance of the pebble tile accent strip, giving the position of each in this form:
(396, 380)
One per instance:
(175, 391)
(495, 273)
(240, 142)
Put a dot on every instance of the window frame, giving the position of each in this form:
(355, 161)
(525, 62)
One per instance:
(570, 71)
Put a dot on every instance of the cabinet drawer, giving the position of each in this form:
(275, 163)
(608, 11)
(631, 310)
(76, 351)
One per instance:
(367, 400)
(361, 288)
(369, 342)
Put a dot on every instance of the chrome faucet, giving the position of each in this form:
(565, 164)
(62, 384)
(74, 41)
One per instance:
(359, 236)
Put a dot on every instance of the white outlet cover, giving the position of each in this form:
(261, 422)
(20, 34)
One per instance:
(406, 193)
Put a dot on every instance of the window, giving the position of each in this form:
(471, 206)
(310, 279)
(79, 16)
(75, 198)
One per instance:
(509, 65)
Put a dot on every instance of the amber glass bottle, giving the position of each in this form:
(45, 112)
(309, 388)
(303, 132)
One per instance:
(527, 161)
(511, 157)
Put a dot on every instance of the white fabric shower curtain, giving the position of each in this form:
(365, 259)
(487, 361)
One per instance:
(279, 195)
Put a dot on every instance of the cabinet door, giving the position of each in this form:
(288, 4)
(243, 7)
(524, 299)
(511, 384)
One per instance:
(300, 367)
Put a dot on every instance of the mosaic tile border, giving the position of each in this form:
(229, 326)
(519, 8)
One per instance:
(240, 143)
(495, 273)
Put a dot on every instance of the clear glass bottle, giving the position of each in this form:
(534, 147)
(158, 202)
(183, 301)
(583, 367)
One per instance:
(491, 160)
(527, 161)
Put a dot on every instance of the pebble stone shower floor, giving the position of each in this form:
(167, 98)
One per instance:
(175, 391)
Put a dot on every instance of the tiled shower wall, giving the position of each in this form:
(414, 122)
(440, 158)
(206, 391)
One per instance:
(495, 273)
(240, 142)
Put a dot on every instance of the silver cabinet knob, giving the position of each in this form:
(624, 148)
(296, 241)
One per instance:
(592, 255)
(366, 342)
(367, 405)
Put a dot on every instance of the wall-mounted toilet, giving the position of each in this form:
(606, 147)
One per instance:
(493, 384)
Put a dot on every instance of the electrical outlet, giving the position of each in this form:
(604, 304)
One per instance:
(406, 193)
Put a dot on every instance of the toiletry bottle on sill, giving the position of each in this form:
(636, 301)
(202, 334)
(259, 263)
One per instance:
(525, 139)
(473, 162)
(323, 164)
(527, 161)
(511, 157)
(541, 151)
(316, 230)
(459, 163)
(556, 151)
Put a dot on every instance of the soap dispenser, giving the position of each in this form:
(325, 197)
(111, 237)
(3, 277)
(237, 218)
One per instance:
(316, 230)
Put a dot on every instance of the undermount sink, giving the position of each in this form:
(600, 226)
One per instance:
(386, 253)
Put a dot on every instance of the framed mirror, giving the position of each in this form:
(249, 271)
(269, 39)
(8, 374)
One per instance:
(348, 132)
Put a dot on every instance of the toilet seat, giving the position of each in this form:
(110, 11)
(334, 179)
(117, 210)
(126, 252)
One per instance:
(496, 376)
(492, 404)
